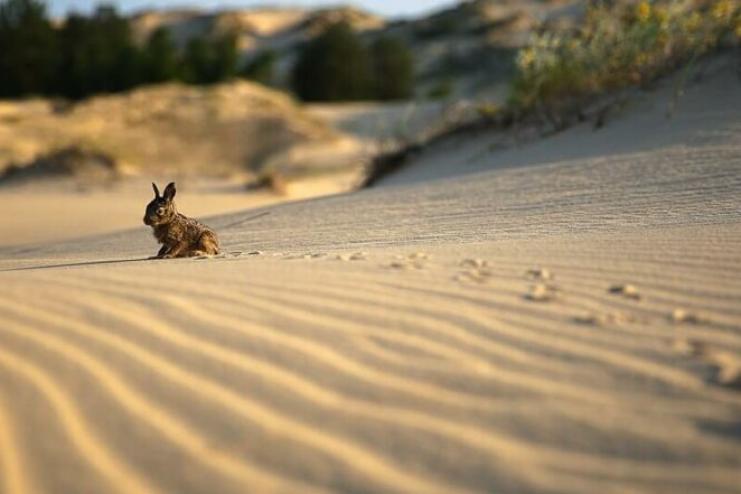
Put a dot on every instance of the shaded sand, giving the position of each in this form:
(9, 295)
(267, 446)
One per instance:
(48, 212)
(470, 334)
(51, 211)
(706, 114)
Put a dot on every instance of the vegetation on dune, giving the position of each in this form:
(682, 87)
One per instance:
(28, 58)
(393, 69)
(337, 66)
(96, 53)
(563, 77)
(262, 68)
(207, 61)
(86, 55)
(160, 62)
(616, 47)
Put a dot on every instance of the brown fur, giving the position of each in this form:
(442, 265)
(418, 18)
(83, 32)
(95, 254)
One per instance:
(179, 235)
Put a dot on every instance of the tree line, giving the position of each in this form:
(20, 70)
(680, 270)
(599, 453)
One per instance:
(86, 55)
(92, 54)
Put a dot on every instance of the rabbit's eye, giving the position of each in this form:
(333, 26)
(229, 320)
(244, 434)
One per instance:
(160, 211)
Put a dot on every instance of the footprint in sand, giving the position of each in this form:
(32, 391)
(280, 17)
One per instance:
(223, 255)
(474, 263)
(627, 290)
(416, 260)
(540, 274)
(541, 292)
(355, 256)
(604, 319)
(726, 366)
(233, 253)
(682, 316)
(474, 271)
(307, 255)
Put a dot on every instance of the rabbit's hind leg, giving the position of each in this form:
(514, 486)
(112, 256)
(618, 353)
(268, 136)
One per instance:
(208, 245)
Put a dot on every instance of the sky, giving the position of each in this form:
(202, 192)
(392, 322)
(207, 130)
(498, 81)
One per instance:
(388, 8)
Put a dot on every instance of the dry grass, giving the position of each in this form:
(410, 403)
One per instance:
(618, 47)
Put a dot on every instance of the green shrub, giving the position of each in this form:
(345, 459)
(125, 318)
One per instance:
(207, 61)
(441, 90)
(393, 68)
(27, 48)
(160, 57)
(334, 66)
(261, 68)
(89, 54)
(615, 48)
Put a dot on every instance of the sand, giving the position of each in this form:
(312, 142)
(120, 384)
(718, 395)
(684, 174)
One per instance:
(568, 326)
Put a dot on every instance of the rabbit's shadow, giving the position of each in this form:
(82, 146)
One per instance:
(75, 264)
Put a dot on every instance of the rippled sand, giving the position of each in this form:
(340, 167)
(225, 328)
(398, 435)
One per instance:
(570, 327)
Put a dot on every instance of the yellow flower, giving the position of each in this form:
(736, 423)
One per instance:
(643, 11)
(722, 9)
(526, 58)
(662, 16)
(692, 22)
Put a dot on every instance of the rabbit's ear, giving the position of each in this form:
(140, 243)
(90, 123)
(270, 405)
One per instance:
(169, 191)
(156, 190)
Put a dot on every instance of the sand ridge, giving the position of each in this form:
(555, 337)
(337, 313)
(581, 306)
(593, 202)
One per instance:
(328, 350)
(569, 326)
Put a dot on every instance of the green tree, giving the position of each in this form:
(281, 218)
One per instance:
(28, 57)
(160, 58)
(393, 68)
(120, 66)
(261, 68)
(208, 61)
(97, 55)
(335, 66)
(78, 57)
(224, 57)
(196, 61)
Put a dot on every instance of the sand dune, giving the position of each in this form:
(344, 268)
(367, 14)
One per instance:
(569, 326)
(290, 374)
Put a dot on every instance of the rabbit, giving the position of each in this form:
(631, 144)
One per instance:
(179, 235)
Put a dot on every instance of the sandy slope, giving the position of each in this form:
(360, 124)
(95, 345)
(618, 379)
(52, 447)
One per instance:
(388, 341)
(51, 211)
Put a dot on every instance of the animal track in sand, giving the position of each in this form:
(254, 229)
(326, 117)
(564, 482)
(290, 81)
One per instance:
(475, 271)
(541, 292)
(225, 255)
(602, 319)
(726, 366)
(679, 316)
(540, 274)
(355, 256)
(626, 290)
(474, 263)
(416, 260)
(307, 255)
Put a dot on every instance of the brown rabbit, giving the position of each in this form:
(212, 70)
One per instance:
(179, 235)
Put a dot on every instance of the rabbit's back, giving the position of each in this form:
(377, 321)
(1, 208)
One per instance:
(193, 230)
(190, 231)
